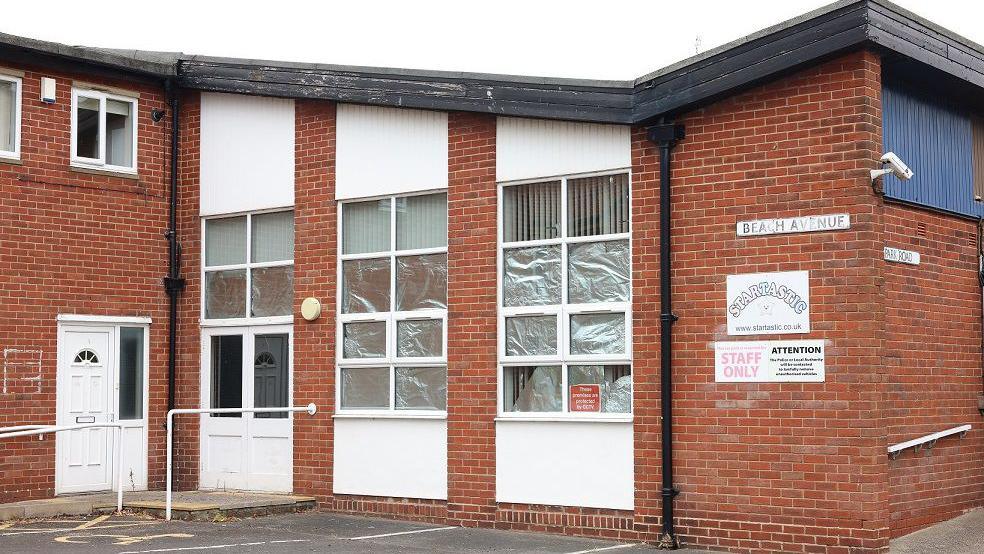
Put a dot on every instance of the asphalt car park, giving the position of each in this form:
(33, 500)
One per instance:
(303, 532)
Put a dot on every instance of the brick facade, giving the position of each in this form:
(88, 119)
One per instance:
(760, 467)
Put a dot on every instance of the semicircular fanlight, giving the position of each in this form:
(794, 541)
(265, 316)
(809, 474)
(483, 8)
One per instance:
(86, 356)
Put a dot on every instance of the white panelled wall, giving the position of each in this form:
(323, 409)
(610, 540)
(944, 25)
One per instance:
(532, 148)
(247, 153)
(389, 151)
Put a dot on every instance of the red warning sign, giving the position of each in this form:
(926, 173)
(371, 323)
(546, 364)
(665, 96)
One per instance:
(586, 398)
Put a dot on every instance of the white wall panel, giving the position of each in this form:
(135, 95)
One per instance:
(531, 148)
(585, 464)
(247, 153)
(381, 151)
(391, 457)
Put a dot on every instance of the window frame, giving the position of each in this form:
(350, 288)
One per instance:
(562, 311)
(100, 162)
(391, 318)
(247, 266)
(18, 82)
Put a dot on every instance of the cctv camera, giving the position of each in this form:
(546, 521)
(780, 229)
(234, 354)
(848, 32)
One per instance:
(895, 167)
(157, 115)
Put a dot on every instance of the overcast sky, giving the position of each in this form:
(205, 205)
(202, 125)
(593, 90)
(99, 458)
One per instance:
(600, 39)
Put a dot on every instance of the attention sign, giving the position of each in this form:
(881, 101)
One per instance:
(775, 361)
(585, 398)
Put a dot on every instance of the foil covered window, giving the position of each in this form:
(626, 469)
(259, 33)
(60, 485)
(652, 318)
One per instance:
(225, 294)
(422, 282)
(421, 388)
(531, 335)
(531, 276)
(366, 286)
(272, 291)
(532, 389)
(598, 272)
(601, 334)
(365, 387)
(423, 338)
(364, 339)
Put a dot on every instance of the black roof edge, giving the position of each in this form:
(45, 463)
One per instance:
(812, 37)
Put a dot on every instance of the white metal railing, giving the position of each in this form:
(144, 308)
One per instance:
(928, 441)
(311, 409)
(27, 430)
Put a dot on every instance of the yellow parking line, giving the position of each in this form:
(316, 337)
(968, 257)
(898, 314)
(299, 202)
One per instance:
(92, 522)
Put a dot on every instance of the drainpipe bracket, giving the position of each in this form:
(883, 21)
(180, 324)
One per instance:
(670, 492)
(667, 134)
(668, 318)
(174, 284)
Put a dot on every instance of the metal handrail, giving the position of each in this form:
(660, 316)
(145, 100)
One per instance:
(27, 430)
(24, 428)
(929, 440)
(311, 409)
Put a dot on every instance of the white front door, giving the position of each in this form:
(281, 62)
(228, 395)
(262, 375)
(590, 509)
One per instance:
(246, 368)
(85, 369)
(102, 377)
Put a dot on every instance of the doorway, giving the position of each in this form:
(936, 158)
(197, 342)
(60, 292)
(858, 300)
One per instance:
(102, 376)
(247, 367)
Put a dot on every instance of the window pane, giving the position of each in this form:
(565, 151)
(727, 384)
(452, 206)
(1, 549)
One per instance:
(531, 335)
(531, 389)
(604, 388)
(225, 294)
(87, 127)
(272, 291)
(365, 387)
(598, 272)
(273, 237)
(531, 212)
(531, 276)
(598, 333)
(421, 388)
(364, 339)
(131, 372)
(422, 282)
(8, 115)
(225, 241)
(366, 286)
(119, 133)
(420, 338)
(598, 205)
(422, 221)
(227, 373)
(271, 381)
(366, 226)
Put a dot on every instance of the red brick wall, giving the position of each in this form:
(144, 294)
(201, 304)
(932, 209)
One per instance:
(315, 215)
(769, 466)
(472, 355)
(75, 243)
(933, 359)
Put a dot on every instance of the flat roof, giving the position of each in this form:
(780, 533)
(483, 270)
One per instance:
(808, 39)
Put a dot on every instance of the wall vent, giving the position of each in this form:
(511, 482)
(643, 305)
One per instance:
(920, 229)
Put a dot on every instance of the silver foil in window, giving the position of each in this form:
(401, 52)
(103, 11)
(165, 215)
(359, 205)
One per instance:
(365, 286)
(598, 272)
(365, 387)
(422, 282)
(364, 339)
(598, 333)
(273, 291)
(225, 294)
(539, 390)
(421, 388)
(531, 335)
(419, 338)
(531, 276)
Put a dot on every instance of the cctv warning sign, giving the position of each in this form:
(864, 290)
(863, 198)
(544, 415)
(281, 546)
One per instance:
(586, 398)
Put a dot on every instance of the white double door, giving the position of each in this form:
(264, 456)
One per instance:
(247, 367)
(101, 379)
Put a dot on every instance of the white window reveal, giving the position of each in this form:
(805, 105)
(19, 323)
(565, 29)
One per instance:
(248, 269)
(10, 116)
(393, 304)
(565, 314)
(104, 131)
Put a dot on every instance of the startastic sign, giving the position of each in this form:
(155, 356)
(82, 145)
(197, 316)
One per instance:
(769, 303)
(777, 361)
(901, 256)
(805, 224)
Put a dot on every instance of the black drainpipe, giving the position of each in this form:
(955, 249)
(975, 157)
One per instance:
(173, 283)
(666, 135)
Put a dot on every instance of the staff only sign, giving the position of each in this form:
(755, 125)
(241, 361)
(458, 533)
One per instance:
(769, 303)
(785, 361)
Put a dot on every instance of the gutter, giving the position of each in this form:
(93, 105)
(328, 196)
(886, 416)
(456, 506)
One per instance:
(173, 283)
(666, 135)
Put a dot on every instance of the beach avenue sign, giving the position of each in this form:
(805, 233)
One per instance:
(804, 224)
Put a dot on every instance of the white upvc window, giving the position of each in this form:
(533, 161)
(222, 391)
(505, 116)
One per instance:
(104, 131)
(565, 307)
(392, 305)
(248, 268)
(10, 117)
